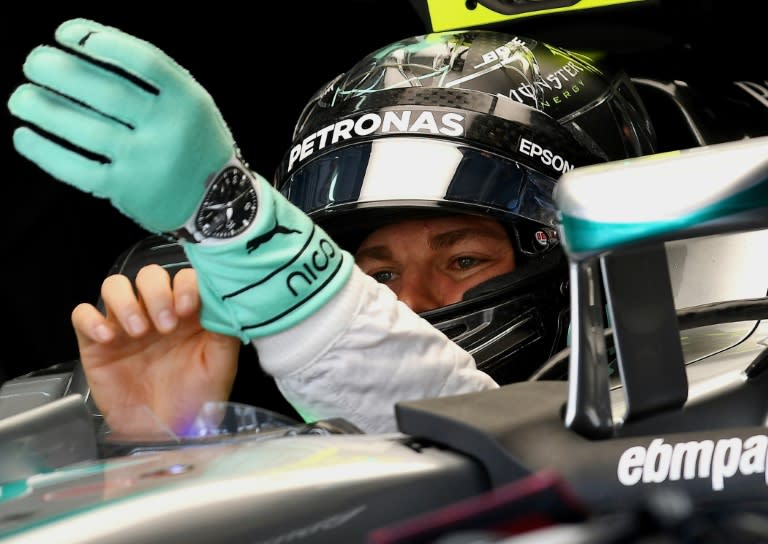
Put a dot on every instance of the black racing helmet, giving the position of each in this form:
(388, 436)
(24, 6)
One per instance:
(473, 122)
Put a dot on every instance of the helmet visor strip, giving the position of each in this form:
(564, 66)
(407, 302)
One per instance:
(407, 172)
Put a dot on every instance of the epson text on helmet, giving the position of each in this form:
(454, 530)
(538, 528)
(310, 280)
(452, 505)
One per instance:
(546, 156)
(406, 121)
(716, 461)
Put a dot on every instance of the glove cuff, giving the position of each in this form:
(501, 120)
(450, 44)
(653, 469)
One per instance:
(272, 276)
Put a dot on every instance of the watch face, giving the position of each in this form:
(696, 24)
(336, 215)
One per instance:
(229, 206)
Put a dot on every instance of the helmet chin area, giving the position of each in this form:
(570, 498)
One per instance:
(511, 324)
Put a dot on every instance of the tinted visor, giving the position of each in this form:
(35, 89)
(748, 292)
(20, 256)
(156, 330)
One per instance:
(386, 177)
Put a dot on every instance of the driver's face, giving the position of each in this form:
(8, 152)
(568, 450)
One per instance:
(430, 263)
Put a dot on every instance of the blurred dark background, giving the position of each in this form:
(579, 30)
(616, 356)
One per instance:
(261, 65)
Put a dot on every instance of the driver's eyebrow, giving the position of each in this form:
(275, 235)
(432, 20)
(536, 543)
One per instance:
(447, 239)
(380, 253)
(439, 241)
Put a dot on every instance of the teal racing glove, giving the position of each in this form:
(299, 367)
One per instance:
(121, 120)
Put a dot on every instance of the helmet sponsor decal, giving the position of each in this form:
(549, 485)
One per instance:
(541, 237)
(579, 61)
(558, 85)
(526, 93)
(706, 459)
(503, 54)
(388, 122)
(546, 156)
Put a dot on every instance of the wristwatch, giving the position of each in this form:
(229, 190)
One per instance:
(228, 207)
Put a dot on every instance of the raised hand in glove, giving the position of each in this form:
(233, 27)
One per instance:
(139, 130)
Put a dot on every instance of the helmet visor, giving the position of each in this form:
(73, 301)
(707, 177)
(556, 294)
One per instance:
(397, 173)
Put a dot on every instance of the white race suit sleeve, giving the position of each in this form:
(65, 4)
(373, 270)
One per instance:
(363, 352)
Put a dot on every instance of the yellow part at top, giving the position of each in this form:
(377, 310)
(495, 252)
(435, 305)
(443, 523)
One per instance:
(451, 14)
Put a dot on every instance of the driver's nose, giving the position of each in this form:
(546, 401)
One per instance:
(419, 292)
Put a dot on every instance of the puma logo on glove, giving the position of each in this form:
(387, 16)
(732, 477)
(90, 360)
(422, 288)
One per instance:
(254, 243)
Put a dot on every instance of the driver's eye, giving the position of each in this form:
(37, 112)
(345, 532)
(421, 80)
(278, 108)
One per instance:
(466, 262)
(383, 276)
